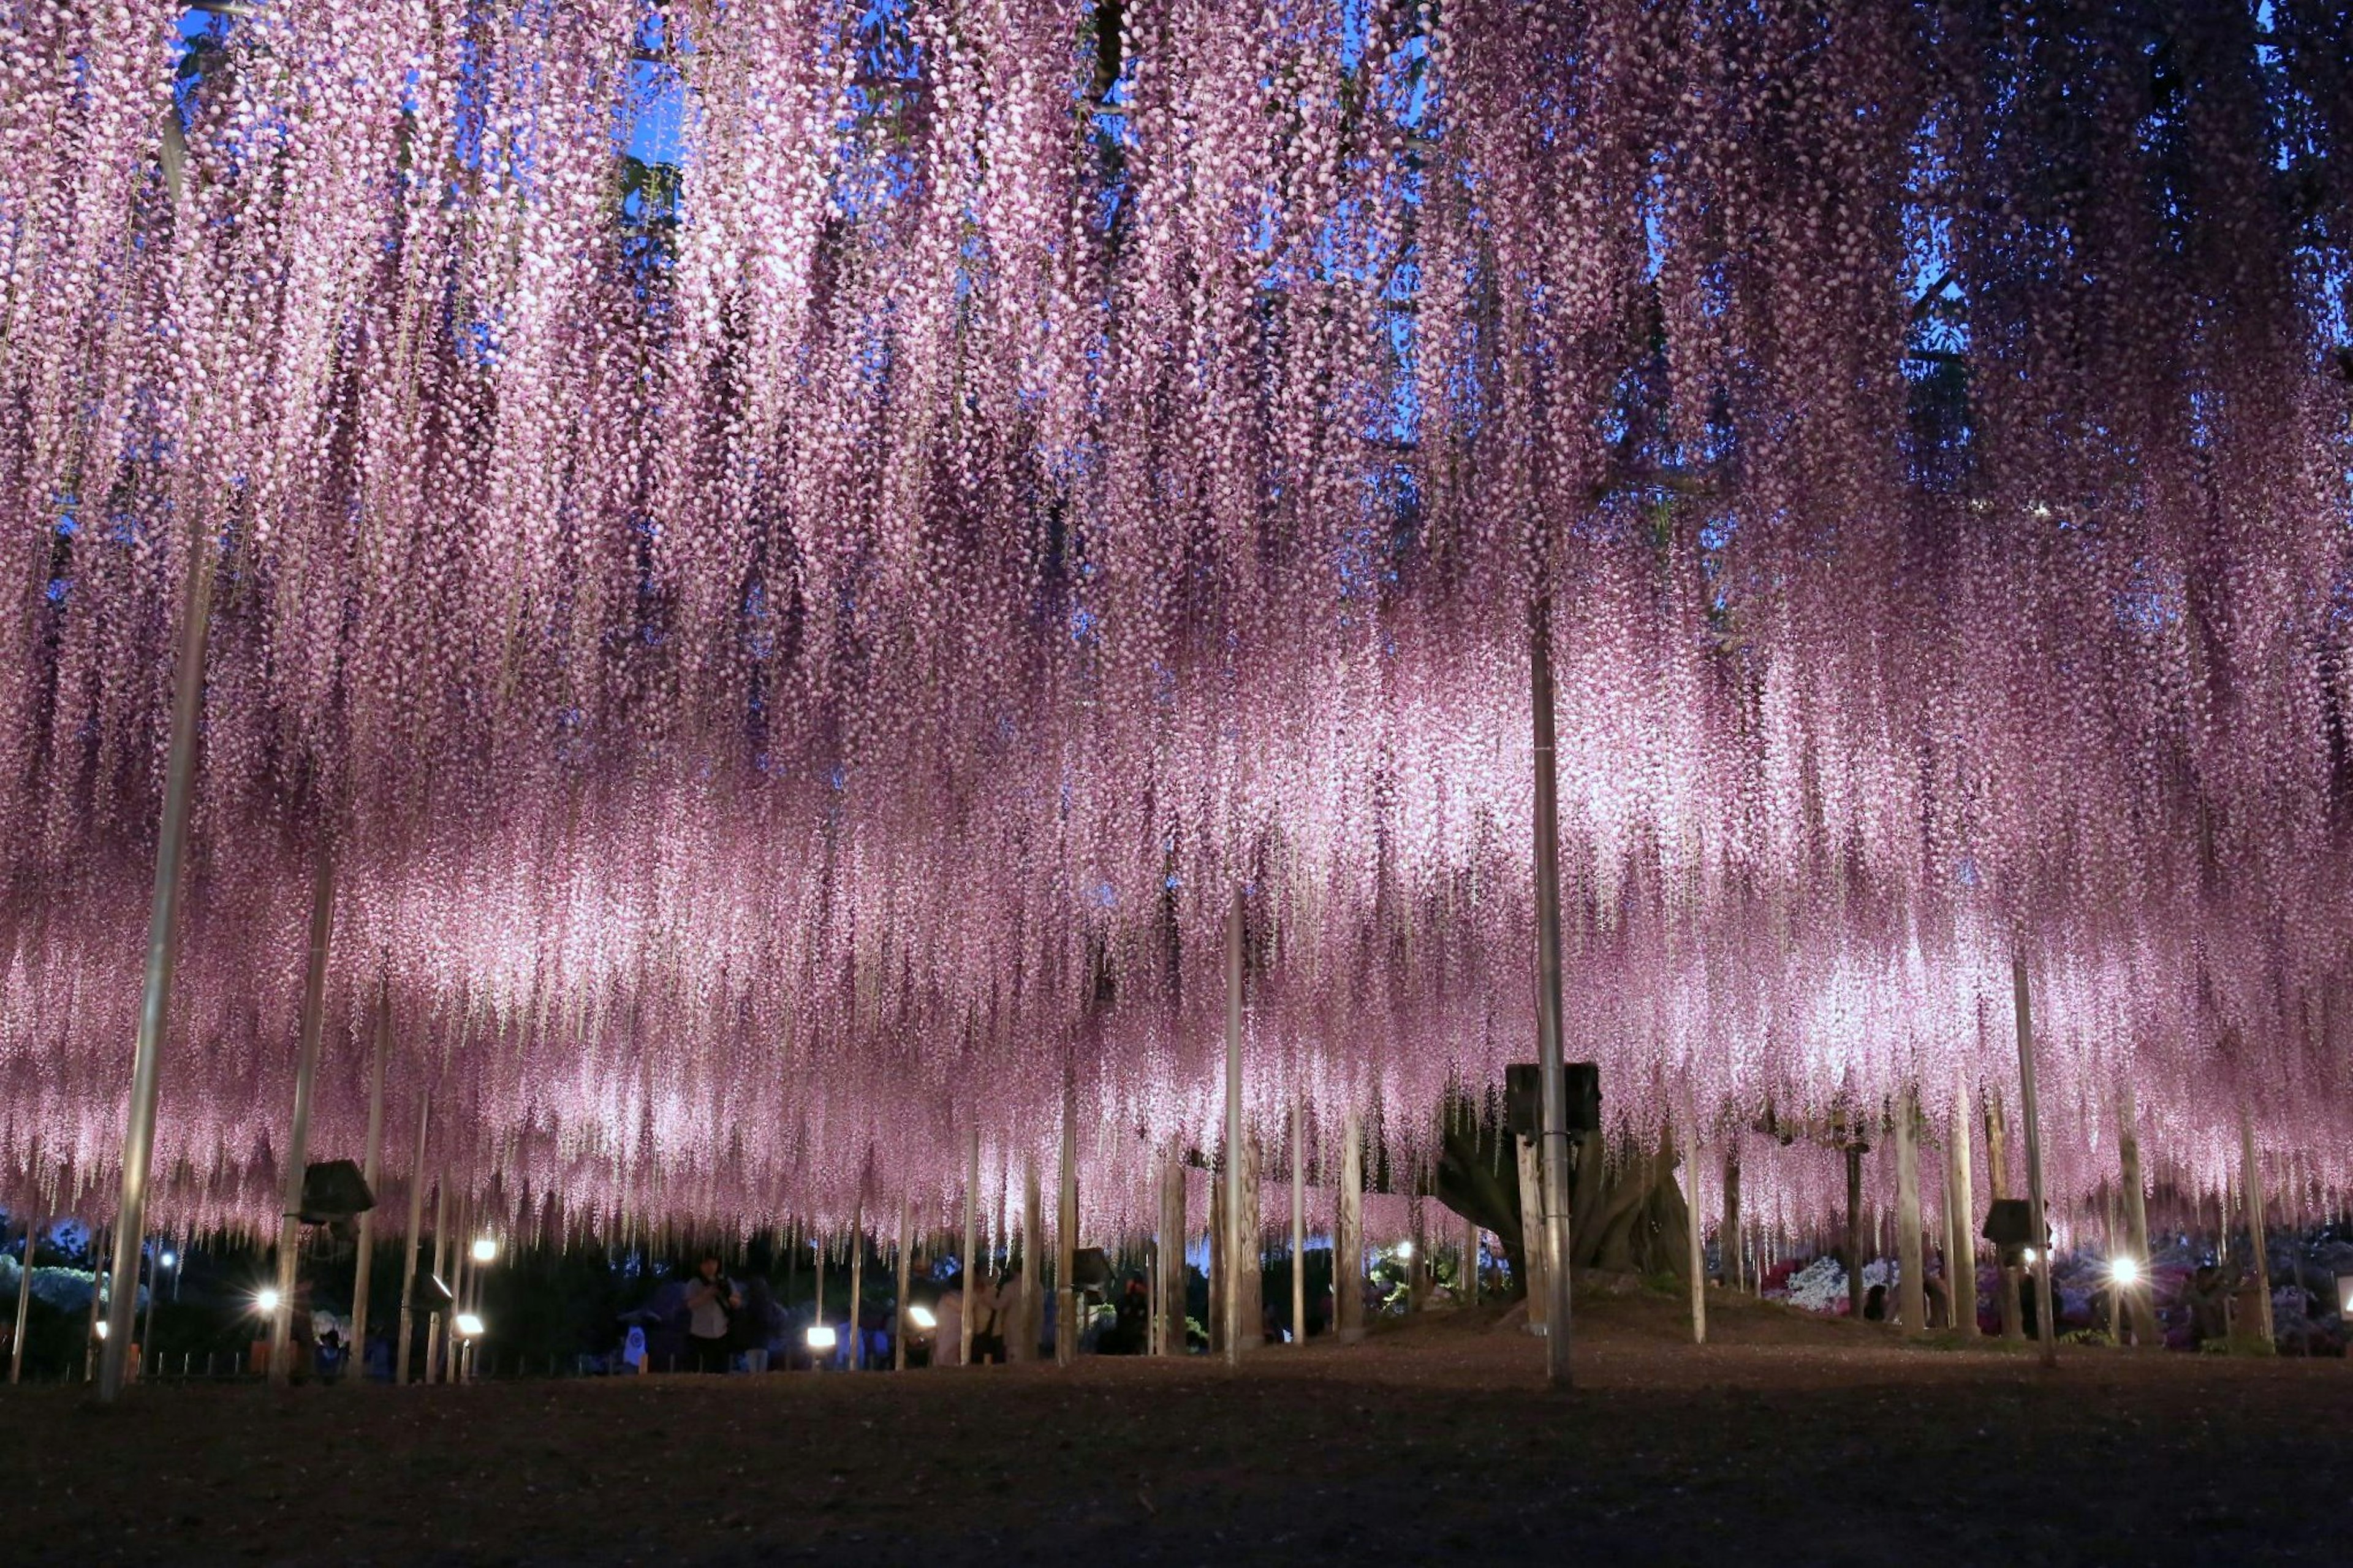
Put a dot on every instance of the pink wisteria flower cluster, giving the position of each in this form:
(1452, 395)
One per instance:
(795, 551)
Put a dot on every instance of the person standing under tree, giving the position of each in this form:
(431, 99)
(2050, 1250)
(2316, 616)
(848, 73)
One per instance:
(710, 1301)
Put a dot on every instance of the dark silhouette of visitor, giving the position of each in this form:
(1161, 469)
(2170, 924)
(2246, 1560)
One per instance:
(711, 1301)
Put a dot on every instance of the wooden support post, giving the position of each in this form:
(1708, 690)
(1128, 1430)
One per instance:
(1961, 1217)
(1168, 1251)
(1348, 1234)
(1221, 1271)
(1911, 1263)
(1531, 1249)
(363, 1267)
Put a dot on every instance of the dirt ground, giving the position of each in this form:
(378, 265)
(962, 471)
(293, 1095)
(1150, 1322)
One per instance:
(1787, 1438)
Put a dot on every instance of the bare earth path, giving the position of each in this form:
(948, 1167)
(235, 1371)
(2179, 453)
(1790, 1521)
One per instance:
(1788, 1440)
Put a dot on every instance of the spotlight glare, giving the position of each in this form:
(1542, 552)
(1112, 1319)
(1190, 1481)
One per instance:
(469, 1325)
(169, 1260)
(821, 1337)
(1405, 1251)
(2029, 1257)
(103, 1327)
(2124, 1270)
(486, 1249)
(267, 1299)
(922, 1317)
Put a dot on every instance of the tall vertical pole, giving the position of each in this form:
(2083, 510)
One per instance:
(364, 1268)
(1694, 1238)
(971, 1244)
(1298, 1221)
(1348, 1233)
(2139, 1298)
(1910, 1261)
(2046, 1331)
(1169, 1253)
(23, 1301)
(1553, 1073)
(1066, 1226)
(433, 1321)
(2251, 1189)
(1231, 1241)
(1732, 1267)
(298, 1137)
(1960, 1218)
(1029, 1314)
(1855, 1231)
(416, 1232)
(899, 1328)
(857, 1289)
(162, 921)
(2013, 1324)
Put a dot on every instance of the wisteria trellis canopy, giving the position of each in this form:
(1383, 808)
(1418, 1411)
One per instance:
(797, 550)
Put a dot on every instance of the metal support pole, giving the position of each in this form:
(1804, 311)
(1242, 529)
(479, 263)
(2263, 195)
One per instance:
(971, 1246)
(1066, 1224)
(1960, 1218)
(2141, 1297)
(433, 1321)
(23, 1301)
(1694, 1240)
(857, 1286)
(162, 921)
(2045, 1330)
(410, 1248)
(364, 1268)
(1169, 1275)
(1231, 1285)
(1855, 1231)
(2251, 1190)
(898, 1332)
(1553, 1072)
(155, 1289)
(1298, 1221)
(1911, 1263)
(1348, 1233)
(298, 1137)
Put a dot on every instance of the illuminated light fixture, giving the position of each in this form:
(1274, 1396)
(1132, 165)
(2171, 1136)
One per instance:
(102, 1326)
(923, 1318)
(2345, 1295)
(267, 1300)
(169, 1260)
(469, 1325)
(1405, 1251)
(2124, 1270)
(486, 1249)
(2029, 1257)
(821, 1337)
